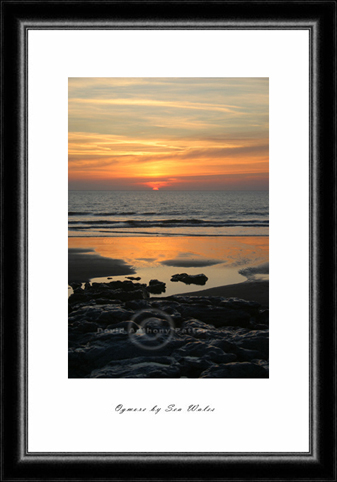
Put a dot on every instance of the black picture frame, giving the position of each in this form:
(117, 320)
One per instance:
(319, 18)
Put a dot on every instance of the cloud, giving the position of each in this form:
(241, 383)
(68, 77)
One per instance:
(155, 103)
(150, 130)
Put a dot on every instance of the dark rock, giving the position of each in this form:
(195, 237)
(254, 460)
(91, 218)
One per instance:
(262, 363)
(156, 287)
(154, 282)
(100, 286)
(114, 315)
(104, 301)
(260, 327)
(78, 367)
(162, 303)
(216, 316)
(137, 278)
(244, 354)
(75, 285)
(85, 313)
(78, 297)
(89, 327)
(197, 279)
(238, 304)
(123, 285)
(199, 300)
(128, 286)
(175, 298)
(149, 314)
(125, 327)
(255, 340)
(116, 285)
(192, 367)
(204, 350)
(109, 347)
(190, 300)
(235, 370)
(141, 367)
(170, 310)
(206, 336)
(263, 317)
(137, 305)
(225, 345)
(198, 329)
(120, 295)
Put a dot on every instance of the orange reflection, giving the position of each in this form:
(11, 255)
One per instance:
(152, 251)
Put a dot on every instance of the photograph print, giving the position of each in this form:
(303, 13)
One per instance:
(168, 227)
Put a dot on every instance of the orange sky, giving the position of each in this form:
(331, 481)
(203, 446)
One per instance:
(168, 133)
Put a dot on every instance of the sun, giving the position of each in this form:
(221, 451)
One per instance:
(155, 185)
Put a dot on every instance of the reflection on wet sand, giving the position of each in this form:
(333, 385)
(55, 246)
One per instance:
(223, 260)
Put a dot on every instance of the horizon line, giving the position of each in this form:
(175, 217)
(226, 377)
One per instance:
(171, 190)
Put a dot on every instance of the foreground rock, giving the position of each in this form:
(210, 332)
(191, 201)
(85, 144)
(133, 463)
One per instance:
(156, 287)
(235, 370)
(117, 331)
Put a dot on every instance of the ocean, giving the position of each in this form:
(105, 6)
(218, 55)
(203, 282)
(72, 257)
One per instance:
(168, 213)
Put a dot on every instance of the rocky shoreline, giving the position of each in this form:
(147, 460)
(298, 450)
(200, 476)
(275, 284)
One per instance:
(116, 330)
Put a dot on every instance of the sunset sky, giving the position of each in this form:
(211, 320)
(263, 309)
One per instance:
(168, 133)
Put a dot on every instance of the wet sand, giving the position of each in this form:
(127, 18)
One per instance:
(248, 290)
(85, 264)
(212, 337)
(225, 261)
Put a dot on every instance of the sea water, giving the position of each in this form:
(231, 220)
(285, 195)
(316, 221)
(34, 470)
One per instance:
(168, 213)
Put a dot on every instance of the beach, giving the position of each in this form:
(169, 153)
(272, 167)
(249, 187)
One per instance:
(168, 284)
(86, 264)
(158, 307)
(224, 260)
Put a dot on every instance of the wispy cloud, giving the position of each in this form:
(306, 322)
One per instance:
(159, 130)
(157, 103)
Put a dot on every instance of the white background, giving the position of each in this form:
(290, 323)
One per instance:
(250, 415)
